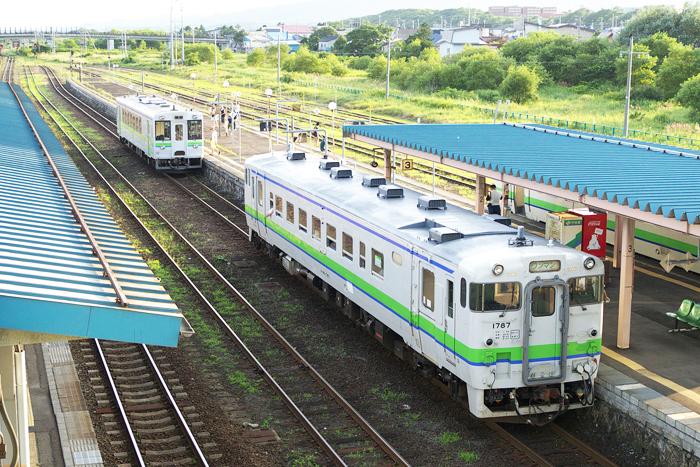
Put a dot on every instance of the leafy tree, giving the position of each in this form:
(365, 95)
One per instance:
(650, 20)
(688, 25)
(682, 63)
(305, 62)
(416, 43)
(339, 46)
(660, 45)
(227, 54)
(594, 62)
(642, 67)
(367, 40)
(142, 45)
(318, 34)
(689, 95)
(256, 57)
(485, 69)
(199, 53)
(238, 36)
(520, 84)
(271, 54)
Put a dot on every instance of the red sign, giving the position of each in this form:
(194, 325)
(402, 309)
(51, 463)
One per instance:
(593, 231)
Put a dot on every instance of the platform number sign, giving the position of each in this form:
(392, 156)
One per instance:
(407, 164)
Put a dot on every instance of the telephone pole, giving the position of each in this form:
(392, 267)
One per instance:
(628, 95)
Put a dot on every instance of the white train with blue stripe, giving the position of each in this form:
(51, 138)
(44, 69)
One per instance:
(510, 321)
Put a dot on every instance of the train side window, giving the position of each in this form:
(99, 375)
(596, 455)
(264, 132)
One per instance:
(302, 220)
(463, 293)
(363, 260)
(377, 263)
(428, 289)
(450, 299)
(315, 228)
(347, 246)
(278, 206)
(260, 193)
(272, 200)
(330, 236)
(194, 129)
(162, 130)
(290, 212)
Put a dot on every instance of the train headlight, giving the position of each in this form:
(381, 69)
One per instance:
(588, 263)
(497, 270)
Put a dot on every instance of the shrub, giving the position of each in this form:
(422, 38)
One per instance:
(689, 95)
(360, 63)
(520, 84)
(227, 54)
(487, 95)
(256, 57)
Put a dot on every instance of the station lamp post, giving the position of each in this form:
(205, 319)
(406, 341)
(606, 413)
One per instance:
(268, 93)
(239, 123)
(332, 106)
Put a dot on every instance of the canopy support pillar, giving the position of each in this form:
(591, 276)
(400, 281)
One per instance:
(624, 318)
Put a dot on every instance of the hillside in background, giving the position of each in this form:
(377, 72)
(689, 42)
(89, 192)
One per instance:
(411, 18)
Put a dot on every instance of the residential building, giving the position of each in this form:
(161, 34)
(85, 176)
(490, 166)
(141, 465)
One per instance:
(564, 29)
(325, 44)
(453, 41)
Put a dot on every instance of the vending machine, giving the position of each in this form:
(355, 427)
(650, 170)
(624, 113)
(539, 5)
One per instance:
(565, 228)
(594, 228)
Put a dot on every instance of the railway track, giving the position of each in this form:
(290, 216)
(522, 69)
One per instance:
(549, 445)
(138, 396)
(7, 69)
(348, 438)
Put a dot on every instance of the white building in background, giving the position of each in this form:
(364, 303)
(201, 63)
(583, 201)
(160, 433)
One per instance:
(325, 44)
(453, 41)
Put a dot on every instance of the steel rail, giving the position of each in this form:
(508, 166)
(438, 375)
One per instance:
(96, 249)
(342, 402)
(180, 417)
(583, 447)
(120, 406)
(286, 399)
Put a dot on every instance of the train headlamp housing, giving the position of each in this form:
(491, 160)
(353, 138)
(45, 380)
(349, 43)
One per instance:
(589, 263)
(497, 270)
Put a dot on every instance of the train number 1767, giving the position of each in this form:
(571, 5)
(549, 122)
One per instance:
(501, 325)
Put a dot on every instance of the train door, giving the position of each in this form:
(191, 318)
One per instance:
(179, 142)
(450, 318)
(258, 203)
(426, 307)
(546, 326)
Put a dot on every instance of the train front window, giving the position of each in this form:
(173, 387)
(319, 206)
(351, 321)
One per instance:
(585, 290)
(179, 132)
(162, 130)
(501, 296)
(543, 301)
(194, 130)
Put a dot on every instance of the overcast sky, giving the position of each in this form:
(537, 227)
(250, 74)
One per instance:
(156, 13)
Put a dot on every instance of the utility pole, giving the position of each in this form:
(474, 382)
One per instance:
(279, 59)
(388, 65)
(182, 33)
(216, 62)
(628, 95)
(172, 40)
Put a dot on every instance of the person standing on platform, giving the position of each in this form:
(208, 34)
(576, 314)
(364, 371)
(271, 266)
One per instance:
(493, 200)
(229, 124)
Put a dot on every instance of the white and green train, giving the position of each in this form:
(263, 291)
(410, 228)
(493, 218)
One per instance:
(650, 240)
(169, 136)
(508, 320)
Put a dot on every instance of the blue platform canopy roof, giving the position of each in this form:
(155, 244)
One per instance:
(648, 178)
(50, 280)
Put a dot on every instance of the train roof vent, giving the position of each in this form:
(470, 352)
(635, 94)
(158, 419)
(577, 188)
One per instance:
(327, 164)
(341, 172)
(296, 156)
(373, 181)
(431, 202)
(389, 191)
(443, 234)
(498, 219)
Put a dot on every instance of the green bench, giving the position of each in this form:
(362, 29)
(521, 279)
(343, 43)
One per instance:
(689, 314)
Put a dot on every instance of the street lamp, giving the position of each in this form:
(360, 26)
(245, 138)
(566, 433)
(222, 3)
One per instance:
(279, 58)
(239, 122)
(332, 106)
(388, 63)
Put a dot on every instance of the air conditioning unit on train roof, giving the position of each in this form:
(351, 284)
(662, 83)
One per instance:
(341, 172)
(431, 202)
(389, 191)
(327, 164)
(443, 234)
(373, 181)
